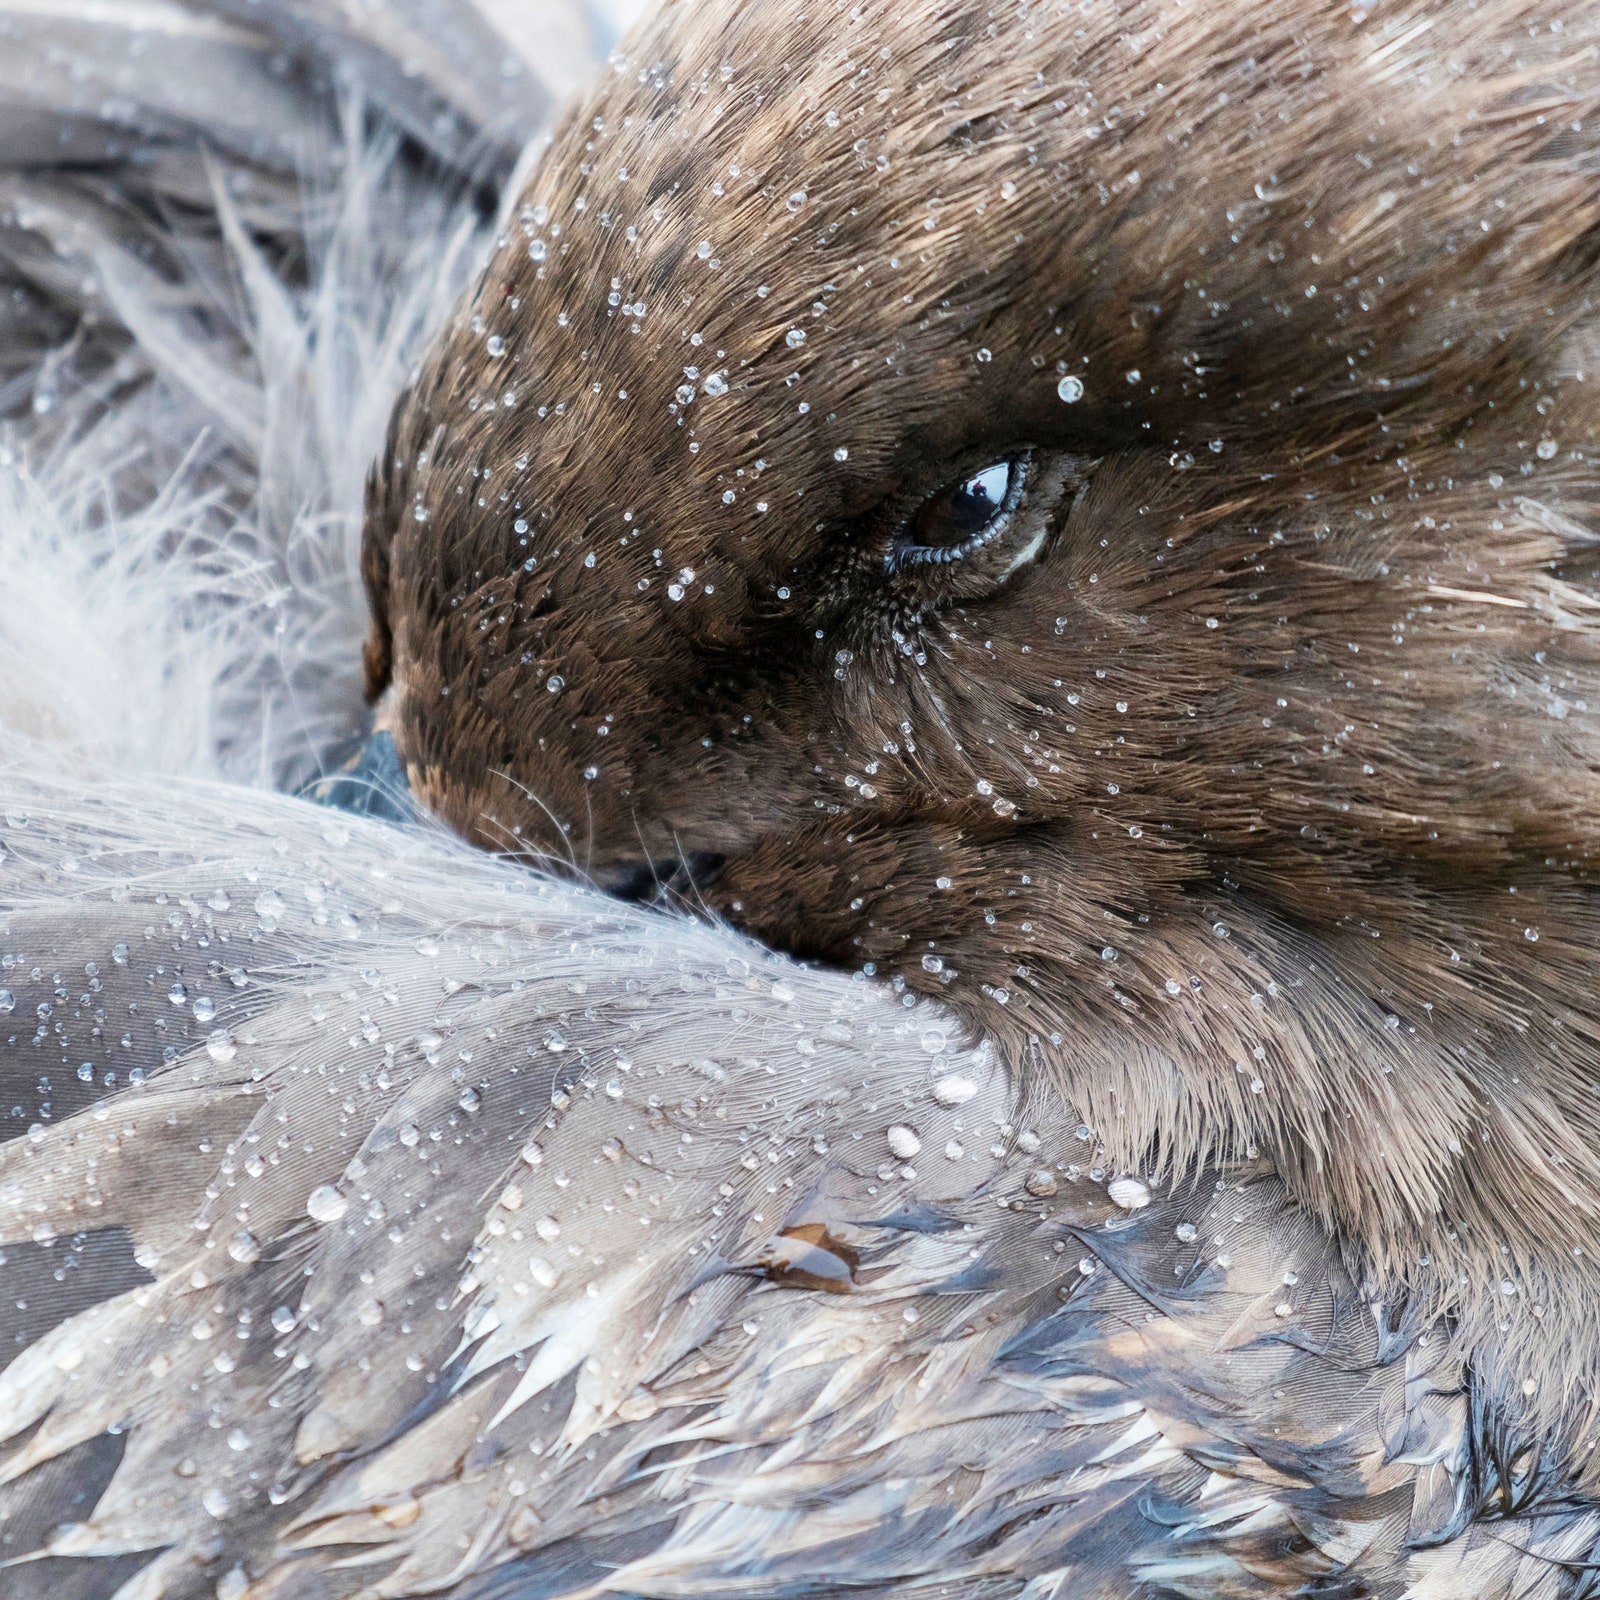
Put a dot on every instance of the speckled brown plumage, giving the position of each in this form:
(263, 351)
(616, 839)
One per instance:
(1257, 814)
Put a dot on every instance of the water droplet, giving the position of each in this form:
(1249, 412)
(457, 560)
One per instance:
(796, 200)
(177, 994)
(495, 345)
(244, 1248)
(715, 385)
(794, 338)
(1186, 1232)
(283, 1320)
(1132, 1194)
(204, 1008)
(269, 904)
(1545, 449)
(841, 454)
(326, 1204)
(1040, 1183)
(8, 1001)
(955, 1089)
(903, 1141)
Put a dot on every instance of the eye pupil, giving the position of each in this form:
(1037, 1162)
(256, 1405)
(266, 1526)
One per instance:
(966, 508)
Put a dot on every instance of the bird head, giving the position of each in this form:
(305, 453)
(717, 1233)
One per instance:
(1080, 511)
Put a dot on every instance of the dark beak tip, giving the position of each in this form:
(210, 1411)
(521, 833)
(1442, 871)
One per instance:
(641, 881)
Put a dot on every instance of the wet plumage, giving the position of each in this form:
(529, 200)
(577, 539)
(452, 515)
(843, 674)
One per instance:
(1176, 1176)
(445, 1257)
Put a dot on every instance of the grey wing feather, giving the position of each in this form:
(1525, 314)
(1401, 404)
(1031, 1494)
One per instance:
(111, 117)
(395, 1222)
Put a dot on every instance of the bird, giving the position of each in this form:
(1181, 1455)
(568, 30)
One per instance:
(1053, 547)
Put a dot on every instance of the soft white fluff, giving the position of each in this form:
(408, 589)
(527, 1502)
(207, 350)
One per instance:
(180, 587)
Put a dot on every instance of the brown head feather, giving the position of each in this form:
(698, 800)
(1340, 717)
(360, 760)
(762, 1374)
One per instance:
(1260, 807)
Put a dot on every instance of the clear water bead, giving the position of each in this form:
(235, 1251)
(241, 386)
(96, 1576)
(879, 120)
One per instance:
(326, 1204)
(955, 1089)
(903, 1141)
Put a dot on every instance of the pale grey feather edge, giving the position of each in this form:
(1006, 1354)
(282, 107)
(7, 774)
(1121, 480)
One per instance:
(530, 1354)
(253, 79)
(118, 123)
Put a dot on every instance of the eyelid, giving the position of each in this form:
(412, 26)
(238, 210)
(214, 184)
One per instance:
(902, 555)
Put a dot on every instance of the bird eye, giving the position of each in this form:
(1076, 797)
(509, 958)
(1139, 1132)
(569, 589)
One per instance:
(979, 528)
(964, 516)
